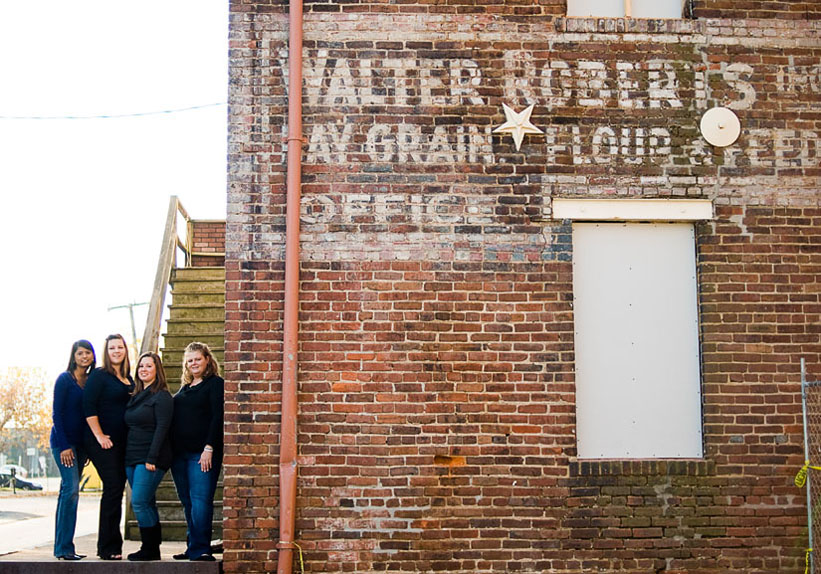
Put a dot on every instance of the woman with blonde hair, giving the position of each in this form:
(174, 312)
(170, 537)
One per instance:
(105, 397)
(196, 436)
(148, 450)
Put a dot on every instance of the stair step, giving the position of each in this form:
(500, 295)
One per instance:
(194, 326)
(213, 312)
(211, 328)
(198, 273)
(174, 505)
(172, 513)
(173, 355)
(167, 489)
(196, 334)
(212, 340)
(196, 322)
(216, 297)
(172, 530)
(209, 287)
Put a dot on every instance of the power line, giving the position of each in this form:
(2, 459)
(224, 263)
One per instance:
(114, 116)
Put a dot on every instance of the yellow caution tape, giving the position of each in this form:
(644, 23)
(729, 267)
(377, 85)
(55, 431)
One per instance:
(807, 561)
(801, 477)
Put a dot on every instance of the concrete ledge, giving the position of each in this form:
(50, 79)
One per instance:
(111, 567)
(632, 209)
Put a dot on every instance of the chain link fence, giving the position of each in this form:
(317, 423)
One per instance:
(811, 472)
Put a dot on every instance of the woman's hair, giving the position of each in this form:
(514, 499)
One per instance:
(212, 368)
(125, 367)
(72, 362)
(159, 383)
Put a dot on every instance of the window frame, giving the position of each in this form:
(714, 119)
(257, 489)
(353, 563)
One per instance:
(627, 11)
(643, 211)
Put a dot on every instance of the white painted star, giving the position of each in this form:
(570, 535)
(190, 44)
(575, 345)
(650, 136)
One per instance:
(517, 124)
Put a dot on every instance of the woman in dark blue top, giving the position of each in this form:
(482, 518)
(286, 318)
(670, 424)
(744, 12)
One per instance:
(105, 397)
(67, 444)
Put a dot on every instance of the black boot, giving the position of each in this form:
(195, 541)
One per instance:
(150, 547)
(158, 538)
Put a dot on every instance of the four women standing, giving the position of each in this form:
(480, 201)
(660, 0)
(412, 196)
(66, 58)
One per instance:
(129, 430)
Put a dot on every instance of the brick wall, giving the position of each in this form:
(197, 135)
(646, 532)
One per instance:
(506, 7)
(208, 237)
(788, 9)
(437, 399)
(729, 9)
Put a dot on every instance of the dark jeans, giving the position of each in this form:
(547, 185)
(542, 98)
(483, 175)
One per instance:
(196, 489)
(144, 485)
(67, 500)
(110, 465)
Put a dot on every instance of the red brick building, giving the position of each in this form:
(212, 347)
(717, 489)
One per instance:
(446, 325)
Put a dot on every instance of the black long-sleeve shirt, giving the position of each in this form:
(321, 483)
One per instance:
(198, 416)
(106, 397)
(148, 417)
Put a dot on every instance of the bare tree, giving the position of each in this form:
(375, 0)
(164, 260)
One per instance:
(25, 404)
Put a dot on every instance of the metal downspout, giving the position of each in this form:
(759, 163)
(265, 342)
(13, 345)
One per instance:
(288, 444)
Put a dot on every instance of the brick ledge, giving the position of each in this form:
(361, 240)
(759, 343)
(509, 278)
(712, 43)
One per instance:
(642, 467)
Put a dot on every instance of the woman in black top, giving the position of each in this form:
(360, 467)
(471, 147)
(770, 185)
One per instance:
(148, 450)
(105, 397)
(196, 435)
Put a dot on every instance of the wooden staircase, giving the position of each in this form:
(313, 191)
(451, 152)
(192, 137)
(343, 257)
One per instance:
(196, 313)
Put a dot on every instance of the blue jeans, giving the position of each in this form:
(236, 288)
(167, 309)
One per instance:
(67, 500)
(144, 485)
(196, 489)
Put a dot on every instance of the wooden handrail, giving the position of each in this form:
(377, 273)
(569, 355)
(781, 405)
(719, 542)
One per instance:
(167, 261)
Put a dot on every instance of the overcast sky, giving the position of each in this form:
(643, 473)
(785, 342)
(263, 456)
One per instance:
(83, 201)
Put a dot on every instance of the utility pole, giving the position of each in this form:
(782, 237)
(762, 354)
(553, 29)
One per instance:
(130, 307)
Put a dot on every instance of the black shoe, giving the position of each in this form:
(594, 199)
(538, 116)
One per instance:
(150, 548)
(181, 556)
(142, 555)
(71, 557)
(204, 558)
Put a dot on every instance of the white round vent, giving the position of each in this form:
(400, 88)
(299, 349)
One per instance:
(720, 126)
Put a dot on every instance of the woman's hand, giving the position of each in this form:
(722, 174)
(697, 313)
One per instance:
(150, 467)
(105, 441)
(67, 458)
(205, 460)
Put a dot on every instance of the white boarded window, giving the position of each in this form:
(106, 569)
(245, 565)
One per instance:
(625, 8)
(637, 348)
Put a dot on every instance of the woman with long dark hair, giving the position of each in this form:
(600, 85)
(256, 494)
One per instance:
(67, 444)
(196, 435)
(105, 397)
(148, 450)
